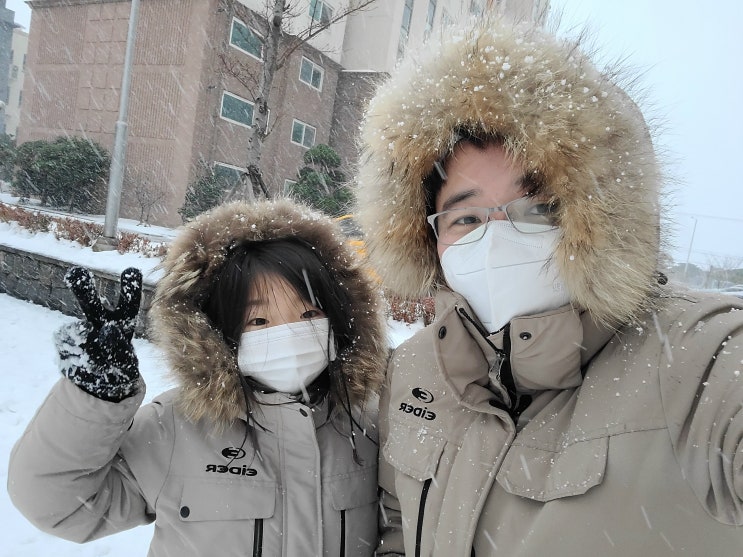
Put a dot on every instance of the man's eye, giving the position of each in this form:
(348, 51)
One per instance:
(466, 220)
(311, 314)
(257, 321)
(541, 209)
(458, 219)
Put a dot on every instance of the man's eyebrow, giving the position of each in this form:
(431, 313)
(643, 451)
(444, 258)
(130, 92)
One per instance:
(457, 197)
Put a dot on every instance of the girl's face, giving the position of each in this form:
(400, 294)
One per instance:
(272, 301)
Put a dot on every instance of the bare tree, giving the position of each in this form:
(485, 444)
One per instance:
(147, 193)
(278, 47)
(723, 270)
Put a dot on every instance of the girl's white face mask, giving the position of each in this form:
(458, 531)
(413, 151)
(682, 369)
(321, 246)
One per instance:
(505, 274)
(288, 357)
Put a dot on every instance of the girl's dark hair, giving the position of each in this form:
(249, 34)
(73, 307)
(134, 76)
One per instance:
(245, 271)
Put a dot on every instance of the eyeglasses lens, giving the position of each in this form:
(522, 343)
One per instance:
(528, 215)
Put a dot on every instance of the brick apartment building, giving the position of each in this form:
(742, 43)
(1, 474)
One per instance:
(186, 110)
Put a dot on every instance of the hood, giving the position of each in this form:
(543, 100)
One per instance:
(204, 367)
(560, 117)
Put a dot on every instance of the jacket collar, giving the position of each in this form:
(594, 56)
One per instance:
(546, 350)
(270, 406)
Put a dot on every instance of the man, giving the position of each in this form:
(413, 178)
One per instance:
(565, 401)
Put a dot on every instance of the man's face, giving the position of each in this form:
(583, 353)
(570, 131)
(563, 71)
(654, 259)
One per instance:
(478, 177)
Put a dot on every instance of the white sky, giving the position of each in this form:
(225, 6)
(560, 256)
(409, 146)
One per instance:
(691, 54)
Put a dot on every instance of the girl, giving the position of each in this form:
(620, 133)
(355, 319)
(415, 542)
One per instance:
(266, 446)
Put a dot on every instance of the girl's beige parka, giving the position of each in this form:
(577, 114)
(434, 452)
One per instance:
(86, 468)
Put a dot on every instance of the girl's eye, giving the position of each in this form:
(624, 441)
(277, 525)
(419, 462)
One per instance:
(310, 314)
(257, 321)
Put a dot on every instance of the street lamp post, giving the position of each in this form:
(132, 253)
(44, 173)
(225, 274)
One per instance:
(109, 241)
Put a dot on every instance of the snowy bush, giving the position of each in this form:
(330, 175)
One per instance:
(203, 194)
(68, 172)
(321, 184)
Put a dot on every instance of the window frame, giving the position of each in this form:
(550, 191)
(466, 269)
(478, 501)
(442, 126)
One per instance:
(304, 130)
(238, 97)
(252, 30)
(314, 67)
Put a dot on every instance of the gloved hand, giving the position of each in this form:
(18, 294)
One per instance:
(97, 354)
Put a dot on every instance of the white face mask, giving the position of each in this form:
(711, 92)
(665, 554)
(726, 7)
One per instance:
(287, 358)
(504, 274)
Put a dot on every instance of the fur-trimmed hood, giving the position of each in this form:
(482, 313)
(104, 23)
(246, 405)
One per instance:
(560, 117)
(205, 368)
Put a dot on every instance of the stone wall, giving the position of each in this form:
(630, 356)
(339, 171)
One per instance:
(40, 279)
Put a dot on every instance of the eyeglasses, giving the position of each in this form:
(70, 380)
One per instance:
(527, 214)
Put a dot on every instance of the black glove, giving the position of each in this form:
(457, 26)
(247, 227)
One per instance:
(97, 354)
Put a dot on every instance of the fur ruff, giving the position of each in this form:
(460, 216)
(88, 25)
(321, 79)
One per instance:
(204, 367)
(562, 119)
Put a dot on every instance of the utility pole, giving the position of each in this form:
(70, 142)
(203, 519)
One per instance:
(109, 241)
(691, 243)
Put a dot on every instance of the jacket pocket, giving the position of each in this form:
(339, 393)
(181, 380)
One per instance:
(543, 475)
(413, 450)
(355, 489)
(203, 500)
(353, 497)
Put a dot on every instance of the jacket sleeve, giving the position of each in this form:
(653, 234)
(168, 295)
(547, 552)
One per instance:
(702, 388)
(66, 474)
(390, 516)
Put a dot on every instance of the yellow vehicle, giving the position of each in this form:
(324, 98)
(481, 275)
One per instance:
(353, 232)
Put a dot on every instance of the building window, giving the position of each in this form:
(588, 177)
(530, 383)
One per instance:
(227, 175)
(321, 12)
(407, 15)
(246, 39)
(476, 8)
(311, 74)
(446, 20)
(430, 16)
(303, 134)
(236, 109)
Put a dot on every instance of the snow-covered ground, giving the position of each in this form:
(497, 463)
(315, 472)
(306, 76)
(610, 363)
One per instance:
(29, 370)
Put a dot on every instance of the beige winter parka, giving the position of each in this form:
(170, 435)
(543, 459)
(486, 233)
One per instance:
(86, 468)
(611, 426)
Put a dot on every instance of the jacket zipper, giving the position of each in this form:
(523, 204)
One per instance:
(343, 533)
(504, 373)
(421, 508)
(258, 538)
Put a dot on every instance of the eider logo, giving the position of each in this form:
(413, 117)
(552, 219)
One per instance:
(423, 395)
(233, 452)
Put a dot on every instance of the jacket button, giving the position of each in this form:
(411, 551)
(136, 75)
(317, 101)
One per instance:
(303, 412)
(525, 336)
(185, 511)
(442, 332)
